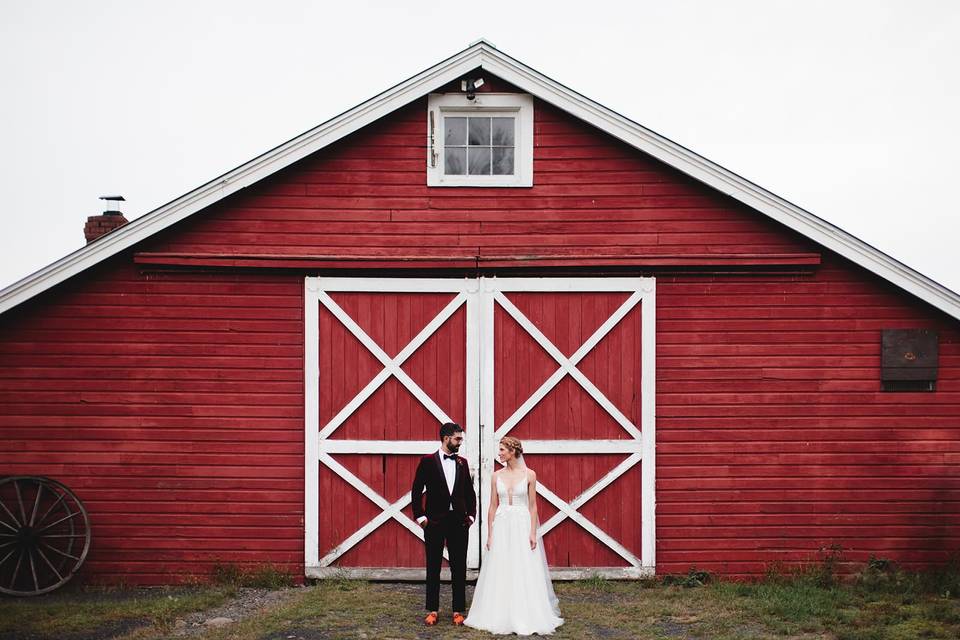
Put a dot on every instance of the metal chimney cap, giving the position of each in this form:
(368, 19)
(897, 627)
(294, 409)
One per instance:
(114, 198)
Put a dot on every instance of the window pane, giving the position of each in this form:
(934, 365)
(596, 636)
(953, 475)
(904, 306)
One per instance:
(479, 131)
(455, 131)
(502, 132)
(455, 161)
(502, 161)
(479, 161)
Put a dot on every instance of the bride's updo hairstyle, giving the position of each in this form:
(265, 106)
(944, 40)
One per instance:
(513, 444)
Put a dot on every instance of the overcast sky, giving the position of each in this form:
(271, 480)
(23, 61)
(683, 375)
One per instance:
(847, 109)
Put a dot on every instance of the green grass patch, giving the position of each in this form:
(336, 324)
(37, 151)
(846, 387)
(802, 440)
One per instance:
(102, 612)
(881, 603)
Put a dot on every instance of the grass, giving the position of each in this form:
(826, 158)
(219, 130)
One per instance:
(881, 603)
(101, 612)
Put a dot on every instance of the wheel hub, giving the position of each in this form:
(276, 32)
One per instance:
(27, 536)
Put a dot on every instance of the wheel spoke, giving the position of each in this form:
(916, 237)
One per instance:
(23, 511)
(66, 517)
(8, 526)
(51, 508)
(65, 535)
(33, 570)
(7, 544)
(49, 564)
(63, 553)
(12, 517)
(12, 551)
(36, 503)
(16, 570)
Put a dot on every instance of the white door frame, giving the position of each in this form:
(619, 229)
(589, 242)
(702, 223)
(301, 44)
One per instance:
(480, 295)
(641, 446)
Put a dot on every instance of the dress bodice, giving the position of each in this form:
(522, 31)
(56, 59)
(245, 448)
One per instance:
(512, 495)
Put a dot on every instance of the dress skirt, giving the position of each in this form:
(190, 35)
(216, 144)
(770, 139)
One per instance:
(514, 593)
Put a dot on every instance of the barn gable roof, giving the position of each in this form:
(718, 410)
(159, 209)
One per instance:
(484, 55)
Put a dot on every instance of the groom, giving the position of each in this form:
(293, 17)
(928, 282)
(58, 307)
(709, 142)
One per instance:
(451, 506)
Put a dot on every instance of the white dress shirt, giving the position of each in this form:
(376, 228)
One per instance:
(450, 474)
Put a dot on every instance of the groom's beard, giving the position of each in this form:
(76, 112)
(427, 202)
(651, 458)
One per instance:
(453, 448)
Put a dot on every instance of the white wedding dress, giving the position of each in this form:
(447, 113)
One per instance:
(514, 593)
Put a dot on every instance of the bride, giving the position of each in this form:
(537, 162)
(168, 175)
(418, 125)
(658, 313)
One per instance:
(514, 593)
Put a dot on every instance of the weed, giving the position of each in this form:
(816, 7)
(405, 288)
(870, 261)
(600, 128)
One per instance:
(226, 573)
(596, 582)
(693, 578)
(268, 576)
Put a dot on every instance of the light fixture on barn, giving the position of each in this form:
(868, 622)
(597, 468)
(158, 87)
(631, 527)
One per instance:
(470, 87)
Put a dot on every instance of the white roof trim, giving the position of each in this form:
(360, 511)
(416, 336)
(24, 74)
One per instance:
(482, 54)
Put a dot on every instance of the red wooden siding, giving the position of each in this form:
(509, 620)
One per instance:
(367, 195)
(172, 402)
(172, 405)
(774, 440)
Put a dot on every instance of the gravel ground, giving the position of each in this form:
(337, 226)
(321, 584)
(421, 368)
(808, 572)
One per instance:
(247, 603)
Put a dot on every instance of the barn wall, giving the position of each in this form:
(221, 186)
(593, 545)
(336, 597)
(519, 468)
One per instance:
(172, 405)
(367, 195)
(172, 401)
(774, 441)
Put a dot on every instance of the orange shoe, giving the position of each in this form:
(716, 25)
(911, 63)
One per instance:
(458, 619)
(431, 619)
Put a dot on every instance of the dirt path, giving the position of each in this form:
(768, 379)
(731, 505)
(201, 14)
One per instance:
(247, 603)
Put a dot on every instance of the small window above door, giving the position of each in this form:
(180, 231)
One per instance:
(484, 142)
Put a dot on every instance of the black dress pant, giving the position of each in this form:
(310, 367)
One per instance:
(452, 532)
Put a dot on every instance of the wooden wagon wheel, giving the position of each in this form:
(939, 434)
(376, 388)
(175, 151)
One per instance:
(44, 535)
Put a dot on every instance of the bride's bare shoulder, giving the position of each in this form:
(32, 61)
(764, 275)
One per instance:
(531, 474)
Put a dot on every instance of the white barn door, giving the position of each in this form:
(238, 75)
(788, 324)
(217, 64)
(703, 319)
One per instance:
(567, 365)
(386, 362)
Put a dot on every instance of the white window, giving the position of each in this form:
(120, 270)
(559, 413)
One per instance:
(484, 142)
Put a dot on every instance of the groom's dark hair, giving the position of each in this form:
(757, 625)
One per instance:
(449, 428)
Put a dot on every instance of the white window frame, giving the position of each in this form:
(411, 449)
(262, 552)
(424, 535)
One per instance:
(517, 105)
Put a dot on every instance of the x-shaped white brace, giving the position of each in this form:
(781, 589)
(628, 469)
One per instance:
(389, 510)
(391, 367)
(570, 509)
(568, 366)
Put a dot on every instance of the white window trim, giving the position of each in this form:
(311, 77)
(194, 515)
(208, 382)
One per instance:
(517, 104)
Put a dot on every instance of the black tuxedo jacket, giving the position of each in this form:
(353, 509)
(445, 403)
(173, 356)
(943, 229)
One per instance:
(435, 504)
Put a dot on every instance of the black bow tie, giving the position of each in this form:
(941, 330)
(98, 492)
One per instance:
(450, 457)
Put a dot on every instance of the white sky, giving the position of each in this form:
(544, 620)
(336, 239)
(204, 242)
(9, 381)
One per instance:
(847, 109)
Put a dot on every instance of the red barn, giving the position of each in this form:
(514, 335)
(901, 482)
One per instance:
(703, 373)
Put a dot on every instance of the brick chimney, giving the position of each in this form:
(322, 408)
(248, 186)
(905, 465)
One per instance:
(105, 222)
